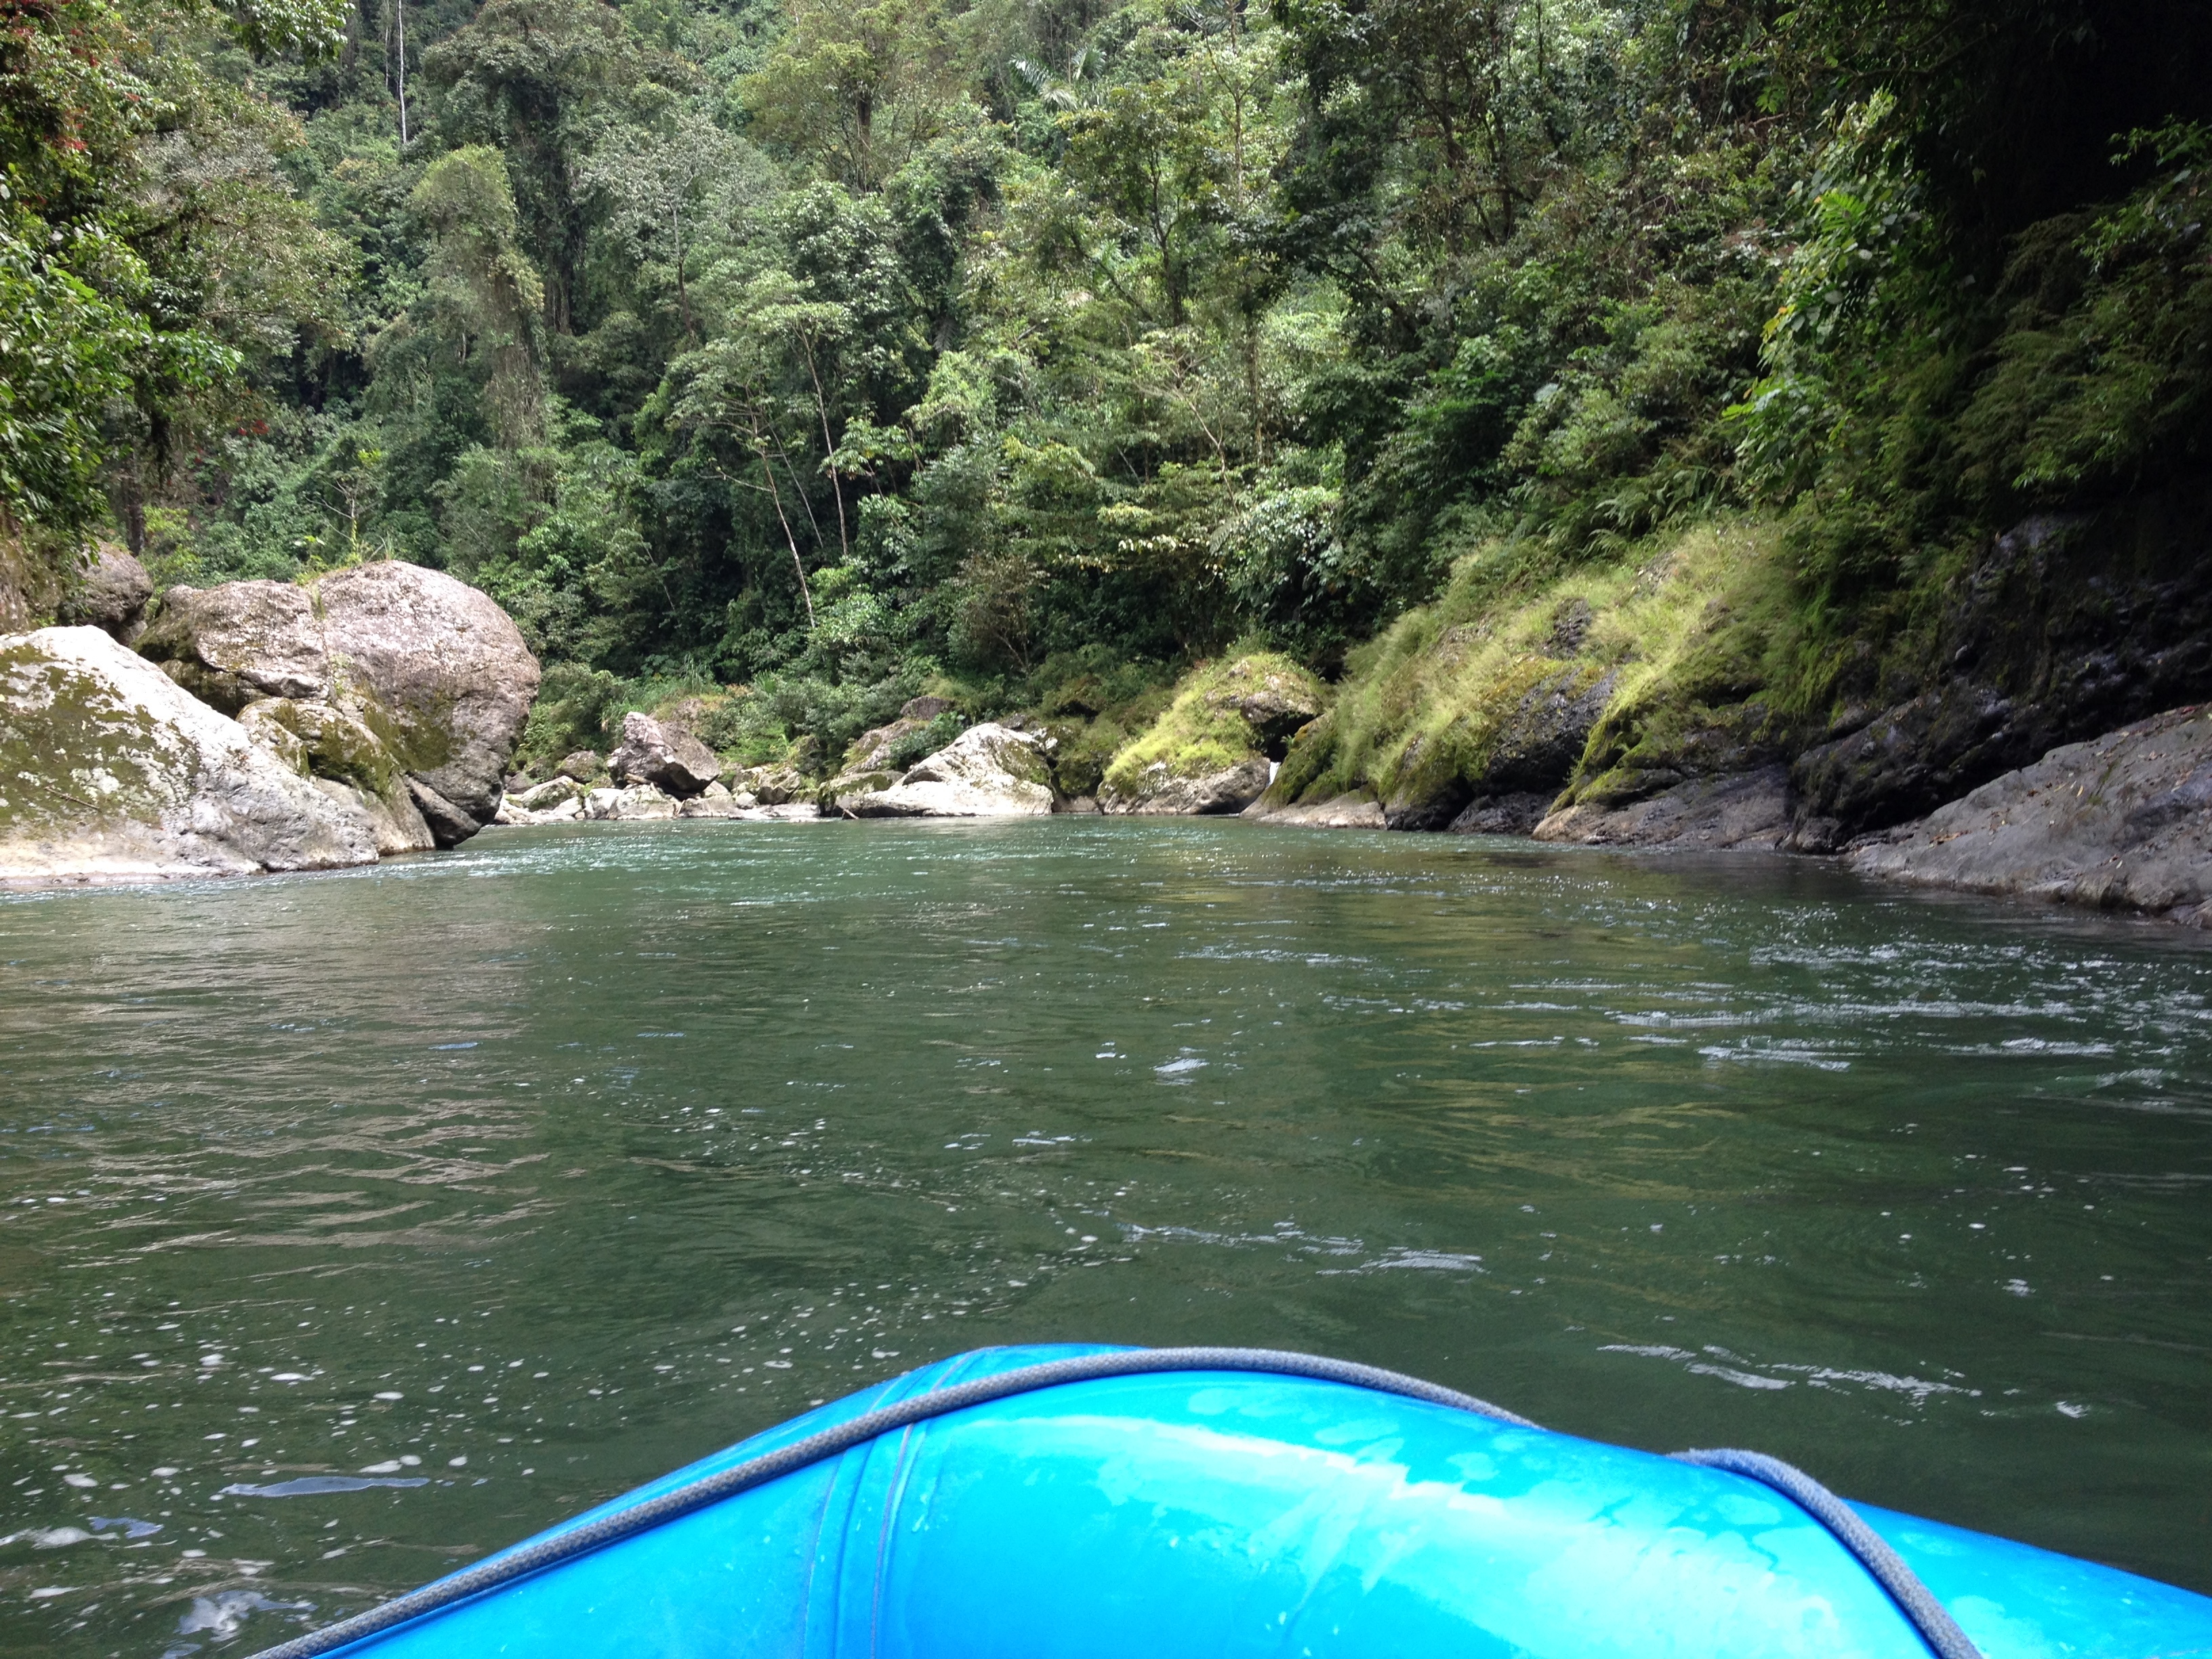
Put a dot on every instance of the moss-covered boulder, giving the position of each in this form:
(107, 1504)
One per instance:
(429, 665)
(1214, 748)
(1510, 700)
(109, 770)
(328, 744)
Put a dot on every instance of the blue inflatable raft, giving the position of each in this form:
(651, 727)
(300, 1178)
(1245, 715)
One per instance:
(1228, 1504)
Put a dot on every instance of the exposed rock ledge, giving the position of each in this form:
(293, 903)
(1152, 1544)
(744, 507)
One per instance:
(1746, 810)
(2121, 822)
(1343, 812)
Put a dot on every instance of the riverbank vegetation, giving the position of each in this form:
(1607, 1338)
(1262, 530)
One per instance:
(1028, 355)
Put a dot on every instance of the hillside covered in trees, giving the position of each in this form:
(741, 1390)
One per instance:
(1030, 351)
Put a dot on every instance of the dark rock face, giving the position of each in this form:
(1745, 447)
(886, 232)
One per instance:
(924, 709)
(2073, 625)
(1514, 813)
(1746, 810)
(2122, 823)
(580, 765)
(668, 757)
(429, 665)
(112, 596)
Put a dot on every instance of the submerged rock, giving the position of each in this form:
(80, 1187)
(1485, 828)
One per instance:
(429, 665)
(666, 757)
(109, 771)
(2121, 822)
(988, 771)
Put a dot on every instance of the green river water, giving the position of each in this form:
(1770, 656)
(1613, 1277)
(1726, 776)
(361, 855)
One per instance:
(521, 1174)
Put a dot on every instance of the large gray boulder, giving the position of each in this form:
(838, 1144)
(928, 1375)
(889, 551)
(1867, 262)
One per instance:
(989, 771)
(111, 594)
(429, 665)
(338, 752)
(2122, 822)
(666, 757)
(109, 771)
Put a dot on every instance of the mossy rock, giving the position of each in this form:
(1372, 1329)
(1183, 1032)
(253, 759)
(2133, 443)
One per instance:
(1225, 715)
(110, 770)
(1619, 681)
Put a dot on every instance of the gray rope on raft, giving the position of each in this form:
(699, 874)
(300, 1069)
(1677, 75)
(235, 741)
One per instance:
(1912, 1597)
(1886, 1567)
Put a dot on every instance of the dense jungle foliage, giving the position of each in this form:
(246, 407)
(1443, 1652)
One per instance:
(1032, 350)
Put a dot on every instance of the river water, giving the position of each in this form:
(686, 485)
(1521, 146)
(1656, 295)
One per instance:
(484, 1186)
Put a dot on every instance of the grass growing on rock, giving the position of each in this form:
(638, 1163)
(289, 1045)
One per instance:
(1208, 729)
(1690, 648)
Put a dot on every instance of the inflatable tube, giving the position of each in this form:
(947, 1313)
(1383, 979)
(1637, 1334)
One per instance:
(1202, 1503)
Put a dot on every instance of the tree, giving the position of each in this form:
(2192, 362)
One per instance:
(650, 186)
(541, 81)
(860, 87)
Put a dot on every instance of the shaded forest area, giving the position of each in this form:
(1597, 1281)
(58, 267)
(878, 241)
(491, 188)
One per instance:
(1029, 351)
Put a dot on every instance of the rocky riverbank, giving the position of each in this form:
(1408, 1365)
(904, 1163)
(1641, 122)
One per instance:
(1689, 702)
(375, 711)
(2122, 822)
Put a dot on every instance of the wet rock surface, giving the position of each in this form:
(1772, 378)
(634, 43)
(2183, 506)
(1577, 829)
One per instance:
(1351, 811)
(2121, 822)
(1515, 812)
(113, 773)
